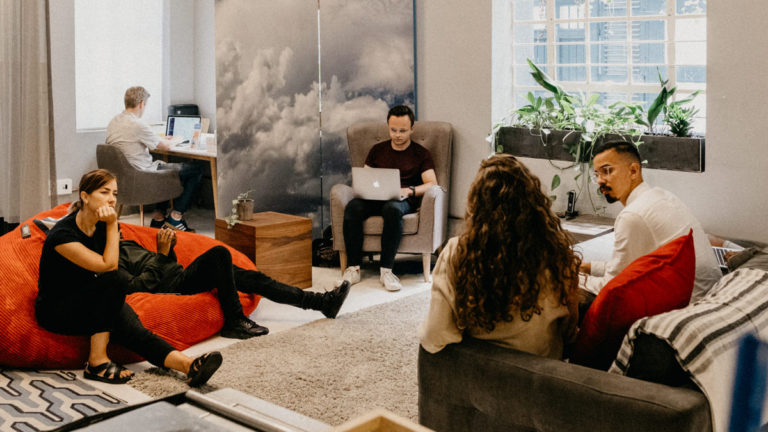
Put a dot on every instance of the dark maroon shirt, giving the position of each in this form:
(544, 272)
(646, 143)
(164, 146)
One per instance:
(411, 162)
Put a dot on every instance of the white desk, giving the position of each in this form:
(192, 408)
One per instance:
(190, 153)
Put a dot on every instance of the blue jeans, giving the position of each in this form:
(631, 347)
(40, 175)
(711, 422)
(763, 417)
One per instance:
(357, 211)
(190, 175)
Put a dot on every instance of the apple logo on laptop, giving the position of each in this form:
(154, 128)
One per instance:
(376, 184)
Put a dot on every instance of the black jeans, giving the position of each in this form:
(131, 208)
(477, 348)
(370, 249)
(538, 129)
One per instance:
(357, 211)
(214, 269)
(100, 307)
(190, 175)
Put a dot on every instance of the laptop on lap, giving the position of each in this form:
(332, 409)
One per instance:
(376, 184)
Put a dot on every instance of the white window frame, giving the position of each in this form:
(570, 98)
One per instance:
(670, 18)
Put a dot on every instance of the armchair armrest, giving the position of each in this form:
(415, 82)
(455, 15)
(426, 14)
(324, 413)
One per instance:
(433, 217)
(341, 195)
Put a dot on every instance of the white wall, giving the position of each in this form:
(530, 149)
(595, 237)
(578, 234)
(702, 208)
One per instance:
(191, 56)
(453, 54)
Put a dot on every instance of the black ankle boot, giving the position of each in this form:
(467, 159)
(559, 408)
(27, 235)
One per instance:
(332, 300)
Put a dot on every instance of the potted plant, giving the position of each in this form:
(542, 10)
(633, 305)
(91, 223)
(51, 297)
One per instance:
(242, 209)
(565, 127)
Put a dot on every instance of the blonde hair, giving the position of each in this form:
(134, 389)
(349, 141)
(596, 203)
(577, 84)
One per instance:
(134, 96)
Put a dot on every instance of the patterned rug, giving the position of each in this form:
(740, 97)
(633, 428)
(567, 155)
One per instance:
(39, 401)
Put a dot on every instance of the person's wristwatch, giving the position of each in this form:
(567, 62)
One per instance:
(413, 190)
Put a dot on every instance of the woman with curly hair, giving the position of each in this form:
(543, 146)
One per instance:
(511, 277)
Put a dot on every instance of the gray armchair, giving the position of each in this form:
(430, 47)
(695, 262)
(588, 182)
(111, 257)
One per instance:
(135, 186)
(423, 231)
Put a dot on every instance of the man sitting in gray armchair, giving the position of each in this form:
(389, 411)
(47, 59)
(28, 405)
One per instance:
(417, 175)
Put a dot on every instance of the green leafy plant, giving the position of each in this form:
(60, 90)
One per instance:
(680, 120)
(234, 218)
(582, 114)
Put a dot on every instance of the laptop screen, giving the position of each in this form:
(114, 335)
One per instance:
(182, 126)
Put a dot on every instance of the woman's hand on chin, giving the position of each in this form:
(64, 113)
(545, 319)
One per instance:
(107, 213)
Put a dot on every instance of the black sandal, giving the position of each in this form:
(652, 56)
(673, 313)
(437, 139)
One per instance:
(112, 373)
(203, 367)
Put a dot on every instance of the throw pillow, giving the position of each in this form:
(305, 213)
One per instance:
(652, 284)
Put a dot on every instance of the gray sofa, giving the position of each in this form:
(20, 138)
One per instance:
(478, 386)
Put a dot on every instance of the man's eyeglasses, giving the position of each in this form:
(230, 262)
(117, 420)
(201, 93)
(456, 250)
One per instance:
(603, 171)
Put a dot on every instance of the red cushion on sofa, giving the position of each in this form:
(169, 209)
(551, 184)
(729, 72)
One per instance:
(652, 284)
(181, 320)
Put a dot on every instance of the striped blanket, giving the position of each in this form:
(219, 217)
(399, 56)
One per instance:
(705, 336)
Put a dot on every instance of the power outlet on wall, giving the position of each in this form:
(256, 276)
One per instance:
(64, 186)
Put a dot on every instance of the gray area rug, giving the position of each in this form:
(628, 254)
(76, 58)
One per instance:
(330, 370)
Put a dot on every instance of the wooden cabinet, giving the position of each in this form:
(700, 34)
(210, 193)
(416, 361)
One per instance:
(280, 245)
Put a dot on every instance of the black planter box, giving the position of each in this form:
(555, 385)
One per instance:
(659, 151)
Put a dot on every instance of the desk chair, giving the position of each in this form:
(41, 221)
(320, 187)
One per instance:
(135, 186)
(423, 231)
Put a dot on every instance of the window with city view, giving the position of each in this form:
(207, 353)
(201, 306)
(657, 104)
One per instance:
(615, 48)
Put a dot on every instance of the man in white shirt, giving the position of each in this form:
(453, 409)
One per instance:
(135, 138)
(651, 218)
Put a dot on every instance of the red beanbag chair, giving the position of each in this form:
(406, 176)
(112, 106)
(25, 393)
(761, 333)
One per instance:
(652, 284)
(181, 320)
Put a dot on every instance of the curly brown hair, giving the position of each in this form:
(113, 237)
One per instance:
(512, 248)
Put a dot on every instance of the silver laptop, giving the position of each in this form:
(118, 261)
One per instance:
(720, 257)
(183, 126)
(377, 184)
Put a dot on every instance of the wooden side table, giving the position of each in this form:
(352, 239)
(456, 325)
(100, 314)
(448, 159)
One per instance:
(279, 244)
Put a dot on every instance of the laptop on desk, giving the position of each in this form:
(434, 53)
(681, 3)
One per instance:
(376, 184)
(183, 126)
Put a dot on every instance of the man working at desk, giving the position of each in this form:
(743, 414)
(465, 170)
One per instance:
(128, 132)
(651, 218)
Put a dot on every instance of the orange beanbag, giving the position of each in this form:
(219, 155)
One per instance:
(181, 320)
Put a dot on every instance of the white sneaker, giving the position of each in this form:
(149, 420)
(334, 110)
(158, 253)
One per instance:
(352, 275)
(389, 280)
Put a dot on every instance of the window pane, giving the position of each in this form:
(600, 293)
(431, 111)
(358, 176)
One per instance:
(608, 31)
(530, 10)
(608, 53)
(700, 103)
(692, 29)
(648, 7)
(523, 76)
(645, 98)
(691, 74)
(569, 9)
(648, 30)
(648, 74)
(536, 53)
(608, 98)
(571, 32)
(570, 54)
(685, 7)
(617, 74)
(530, 33)
(607, 8)
(572, 73)
(103, 73)
(649, 53)
(692, 53)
